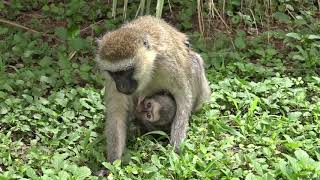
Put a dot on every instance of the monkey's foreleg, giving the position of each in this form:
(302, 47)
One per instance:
(116, 125)
(116, 136)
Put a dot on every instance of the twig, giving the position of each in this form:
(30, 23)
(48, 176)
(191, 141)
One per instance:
(200, 17)
(290, 13)
(254, 21)
(26, 28)
(170, 8)
(125, 8)
(6, 3)
(223, 8)
(222, 20)
(90, 26)
(114, 8)
(33, 15)
(72, 55)
(13, 67)
(19, 26)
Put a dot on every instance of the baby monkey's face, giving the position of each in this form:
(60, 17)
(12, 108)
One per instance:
(148, 109)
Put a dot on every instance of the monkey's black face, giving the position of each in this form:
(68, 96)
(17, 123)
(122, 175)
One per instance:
(124, 81)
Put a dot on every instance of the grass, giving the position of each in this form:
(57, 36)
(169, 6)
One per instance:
(262, 63)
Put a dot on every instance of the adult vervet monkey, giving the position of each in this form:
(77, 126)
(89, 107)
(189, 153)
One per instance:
(142, 58)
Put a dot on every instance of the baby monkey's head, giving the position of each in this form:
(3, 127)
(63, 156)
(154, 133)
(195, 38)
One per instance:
(158, 109)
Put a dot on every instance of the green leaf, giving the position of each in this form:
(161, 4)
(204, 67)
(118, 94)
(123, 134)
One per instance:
(283, 168)
(155, 160)
(240, 42)
(294, 163)
(251, 176)
(109, 166)
(73, 31)
(301, 154)
(31, 173)
(45, 79)
(312, 36)
(63, 175)
(317, 79)
(298, 57)
(281, 17)
(84, 103)
(78, 44)
(61, 32)
(45, 8)
(294, 116)
(58, 161)
(85, 67)
(83, 172)
(162, 133)
(253, 105)
(45, 61)
(3, 30)
(294, 35)
(149, 169)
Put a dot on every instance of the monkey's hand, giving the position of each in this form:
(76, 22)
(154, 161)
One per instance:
(140, 99)
(180, 123)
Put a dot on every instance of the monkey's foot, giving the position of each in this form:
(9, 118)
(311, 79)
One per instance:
(102, 172)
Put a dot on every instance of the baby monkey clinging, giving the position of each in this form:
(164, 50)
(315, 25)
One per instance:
(155, 112)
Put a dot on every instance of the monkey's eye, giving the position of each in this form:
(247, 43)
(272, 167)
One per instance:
(146, 44)
(148, 115)
(149, 105)
(187, 43)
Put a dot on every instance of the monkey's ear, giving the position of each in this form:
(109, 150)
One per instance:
(140, 99)
(146, 41)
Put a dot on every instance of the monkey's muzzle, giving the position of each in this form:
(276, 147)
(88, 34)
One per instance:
(124, 81)
(126, 86)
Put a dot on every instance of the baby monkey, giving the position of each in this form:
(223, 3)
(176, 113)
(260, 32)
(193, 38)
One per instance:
(155, 112)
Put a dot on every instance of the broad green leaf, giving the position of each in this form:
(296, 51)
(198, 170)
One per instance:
(63, 175)
(61, 32)
(31, 173)
(312, 36)
(162, 133)
(78, 44)
(240, 42)
(294, 163)
(281, 17)
(301, 154)
(83, 172)
(294, 116)
(298, 57)
(294, 35)
(155, 160)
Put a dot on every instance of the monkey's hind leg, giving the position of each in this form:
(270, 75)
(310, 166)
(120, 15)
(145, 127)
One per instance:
(180, 123)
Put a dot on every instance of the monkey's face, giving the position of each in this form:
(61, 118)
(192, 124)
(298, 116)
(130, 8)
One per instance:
(127, 57)
(148, 110)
